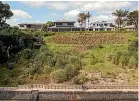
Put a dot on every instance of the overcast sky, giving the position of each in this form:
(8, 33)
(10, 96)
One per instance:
(43, 11)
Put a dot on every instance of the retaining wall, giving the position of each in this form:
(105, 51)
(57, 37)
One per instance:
(39, 92)
(66, 96)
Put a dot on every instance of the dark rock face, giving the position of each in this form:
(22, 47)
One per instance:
(68, 96)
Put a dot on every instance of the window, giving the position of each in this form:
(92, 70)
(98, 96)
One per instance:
(105, 24)
(70, 23)
(29, 26)
(96, 29)
(101, 25)
(65, 24)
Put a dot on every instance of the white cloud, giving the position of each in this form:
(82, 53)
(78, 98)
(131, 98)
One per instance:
(54, 14)
(82, 5)
(108, 18)
(13, 21)
(71, 14)
(106, 6)
(38, 21)
(20, 13)
(58, 5)
(51, 5)
(35, 3)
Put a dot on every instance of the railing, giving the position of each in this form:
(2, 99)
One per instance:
(68, 87)
(8, 88)
(41, 86)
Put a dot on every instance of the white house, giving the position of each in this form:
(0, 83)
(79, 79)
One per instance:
(101, 26)
(130, 28)
(63, 26)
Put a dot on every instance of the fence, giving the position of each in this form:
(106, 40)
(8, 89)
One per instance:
(41, 86)
(8, 88)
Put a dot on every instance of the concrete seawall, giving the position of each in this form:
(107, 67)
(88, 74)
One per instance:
(59, 93)
(66, 96)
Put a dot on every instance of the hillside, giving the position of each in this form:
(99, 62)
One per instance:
(77, 58)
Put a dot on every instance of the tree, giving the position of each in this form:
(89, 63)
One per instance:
(44, 27)
(132, 18)
(5, 13)
(121, 17)
(82, 19)
(79, 21)
(118, 14)
(124, 16)
(50, 23)
(88, 15)
(47, 25)
(119, 22)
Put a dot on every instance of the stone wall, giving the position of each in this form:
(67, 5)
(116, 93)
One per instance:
(39, 92)
(66, 96)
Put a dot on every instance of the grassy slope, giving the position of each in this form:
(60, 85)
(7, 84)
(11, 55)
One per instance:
(102, 65)
(94, 60)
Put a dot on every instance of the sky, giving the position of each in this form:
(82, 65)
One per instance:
(43, 11)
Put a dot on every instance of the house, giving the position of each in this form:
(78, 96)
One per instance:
(36, 26)
(130, 28)
(64, 25)
(101, 26)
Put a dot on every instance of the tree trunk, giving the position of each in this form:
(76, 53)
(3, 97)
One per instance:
(85, 24)
(136, 26)
(88, 24)
(119, 25)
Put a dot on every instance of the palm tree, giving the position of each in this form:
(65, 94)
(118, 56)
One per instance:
(132, 18)
(124, 16)
(80, 22)
(119, 22)
(119, 15)
(88, 15)
(82, 18)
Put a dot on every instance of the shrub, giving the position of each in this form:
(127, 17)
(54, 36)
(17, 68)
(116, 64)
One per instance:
(133, 62)
(94, 60)
(60, 61)
(47, 70)
(75, 61)
(50, 61)
(59, 76)
(27, 53)
(71, 71)
(80, 79)
(133, 46)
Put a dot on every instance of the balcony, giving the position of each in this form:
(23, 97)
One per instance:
(64, 25)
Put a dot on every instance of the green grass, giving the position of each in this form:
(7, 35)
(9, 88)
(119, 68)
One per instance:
(95, 58)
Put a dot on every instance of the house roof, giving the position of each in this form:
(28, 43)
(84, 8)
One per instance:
(30, 24)
(63, 21)
(100, 22)
(130, 26)
(62, 27)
